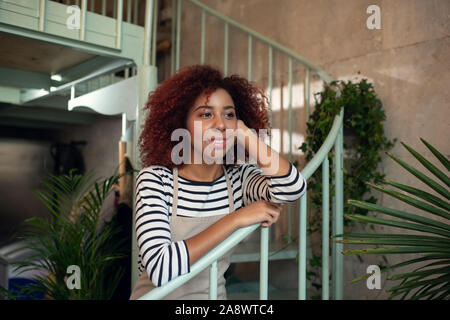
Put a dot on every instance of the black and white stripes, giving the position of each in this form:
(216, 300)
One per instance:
(159, 256)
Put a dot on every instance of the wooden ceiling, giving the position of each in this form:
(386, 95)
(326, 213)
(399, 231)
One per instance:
(37, 56)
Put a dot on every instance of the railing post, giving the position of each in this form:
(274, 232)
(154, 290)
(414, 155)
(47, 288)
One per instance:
(338, 262)
(135, 11)
(177, 55)
(41, 15)
(128, 10)
(302, 250)
(249, 58)
(325, 227)
(269, 89)
(173, 37)
(202, 39)
(290, 117)
(118, 23)
(264, 264)
(213, 281)
(307, 92)
(83, 20)
(103, 7)
(148, 30)
(225, 54)
(154, 31)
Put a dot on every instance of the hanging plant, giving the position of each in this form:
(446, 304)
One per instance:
(364, 139)
(364, 144)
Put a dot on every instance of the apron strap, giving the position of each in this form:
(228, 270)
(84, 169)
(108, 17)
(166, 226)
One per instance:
(175, 191)
(230, 192)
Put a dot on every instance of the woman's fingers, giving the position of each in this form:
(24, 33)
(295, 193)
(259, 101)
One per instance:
(272, 214)
(272, 217)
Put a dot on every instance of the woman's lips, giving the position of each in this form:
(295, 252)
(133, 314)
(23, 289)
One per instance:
(218, 143)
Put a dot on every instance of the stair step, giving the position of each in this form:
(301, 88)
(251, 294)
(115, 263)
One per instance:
(250, 252)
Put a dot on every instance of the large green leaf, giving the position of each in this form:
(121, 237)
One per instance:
(391, 236)
(425, 291)
(430, 182)
(420, 193)
(396, 242)
(414, 284)
(399, 224)
(432, 280)
(425, 257)
(411, 201)
(416, 274)
(397, 250)
(438, 155)
(427, 164)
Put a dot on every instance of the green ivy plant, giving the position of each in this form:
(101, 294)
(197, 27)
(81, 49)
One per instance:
(364, 144)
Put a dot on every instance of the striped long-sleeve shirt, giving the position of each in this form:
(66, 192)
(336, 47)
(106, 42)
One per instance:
(154, 194)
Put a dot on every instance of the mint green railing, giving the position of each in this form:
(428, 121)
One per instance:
(334, 139)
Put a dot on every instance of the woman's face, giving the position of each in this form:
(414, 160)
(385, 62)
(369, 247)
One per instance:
(211, 123)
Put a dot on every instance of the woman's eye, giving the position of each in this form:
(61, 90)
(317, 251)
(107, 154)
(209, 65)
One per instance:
(208, 114)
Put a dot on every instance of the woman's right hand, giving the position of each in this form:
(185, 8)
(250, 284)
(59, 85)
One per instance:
(261, 211)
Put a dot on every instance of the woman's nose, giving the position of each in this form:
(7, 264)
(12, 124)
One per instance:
(219, 124)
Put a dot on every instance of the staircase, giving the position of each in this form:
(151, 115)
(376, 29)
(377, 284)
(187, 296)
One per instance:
(264, 249)
(124, 46)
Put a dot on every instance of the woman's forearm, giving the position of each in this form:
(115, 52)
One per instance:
(205, 241)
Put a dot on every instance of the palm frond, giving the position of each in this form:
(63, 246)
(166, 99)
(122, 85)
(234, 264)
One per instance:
(437, 154)
(429, 281)
(74, 234)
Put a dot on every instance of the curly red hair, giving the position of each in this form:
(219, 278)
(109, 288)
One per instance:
(169, 104)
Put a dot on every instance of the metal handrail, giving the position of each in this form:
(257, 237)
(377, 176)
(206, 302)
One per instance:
(290, 53)
(334, 139)
(201, 264)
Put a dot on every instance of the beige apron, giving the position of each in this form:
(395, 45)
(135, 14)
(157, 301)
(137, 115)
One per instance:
(183, 228)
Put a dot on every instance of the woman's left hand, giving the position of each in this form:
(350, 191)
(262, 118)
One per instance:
(241, 125)
(241, 132)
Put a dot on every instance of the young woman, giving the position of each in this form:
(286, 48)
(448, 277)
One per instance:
(186, 208)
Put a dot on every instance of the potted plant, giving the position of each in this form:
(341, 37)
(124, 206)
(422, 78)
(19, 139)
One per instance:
(72, 237)
(432, 231)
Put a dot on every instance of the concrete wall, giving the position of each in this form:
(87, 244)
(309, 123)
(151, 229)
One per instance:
(101, 152)
(407, 60)
(25, 161)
